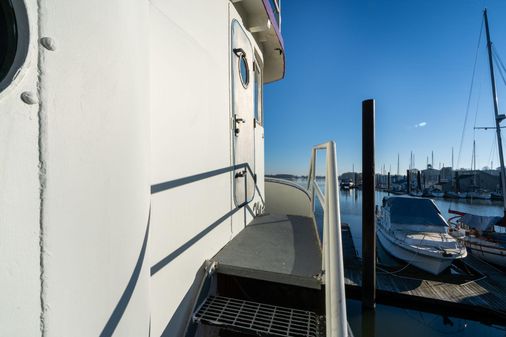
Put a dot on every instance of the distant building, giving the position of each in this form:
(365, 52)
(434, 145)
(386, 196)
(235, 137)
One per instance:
(469, 181)
(446, 175)
(430, 177)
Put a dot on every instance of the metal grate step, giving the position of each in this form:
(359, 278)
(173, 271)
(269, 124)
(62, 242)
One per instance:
(257, 318)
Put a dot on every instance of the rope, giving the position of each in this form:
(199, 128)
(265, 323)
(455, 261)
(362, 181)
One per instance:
(473, 156)
(496, 54)
(492, 151)
(470, 94)
(501, 69)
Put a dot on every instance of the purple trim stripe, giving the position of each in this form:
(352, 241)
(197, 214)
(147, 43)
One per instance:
(272, 17)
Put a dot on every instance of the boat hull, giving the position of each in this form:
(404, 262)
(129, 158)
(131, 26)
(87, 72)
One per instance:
(430, 264)
(489, 251)
(479, 196)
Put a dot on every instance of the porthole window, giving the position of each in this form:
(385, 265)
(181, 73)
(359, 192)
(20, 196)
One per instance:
(243, 69)
(8, 37)
(14, 36)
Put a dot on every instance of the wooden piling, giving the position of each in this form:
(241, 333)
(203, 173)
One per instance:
(408, 181)
(368, 207)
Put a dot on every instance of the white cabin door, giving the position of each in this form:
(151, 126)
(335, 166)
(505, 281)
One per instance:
(243, 131)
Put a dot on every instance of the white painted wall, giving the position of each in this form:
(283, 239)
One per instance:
(191, 133)
(19, 200)
(135, 93)
(95, 146)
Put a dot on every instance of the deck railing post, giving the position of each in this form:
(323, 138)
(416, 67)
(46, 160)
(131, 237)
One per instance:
(332, 258)
(368, 207)
(336, 265)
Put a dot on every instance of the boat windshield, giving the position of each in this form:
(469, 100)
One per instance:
(415, 211)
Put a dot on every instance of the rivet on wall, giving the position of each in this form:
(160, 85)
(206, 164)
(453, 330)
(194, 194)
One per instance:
(29, 97)
(48, 43)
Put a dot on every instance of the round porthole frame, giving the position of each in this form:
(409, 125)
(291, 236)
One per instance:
(242, 60)
(15, 66)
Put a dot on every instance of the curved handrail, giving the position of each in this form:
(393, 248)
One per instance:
(332, 258)
(288, 183)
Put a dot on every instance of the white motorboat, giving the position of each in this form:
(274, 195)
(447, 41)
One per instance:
(413, 230)
(461, 195)
(436, 193)
(451, 195)
(416, 193)
(346, 184)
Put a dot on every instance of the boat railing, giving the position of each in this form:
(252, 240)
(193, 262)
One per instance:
(332, 258)
(276, 9)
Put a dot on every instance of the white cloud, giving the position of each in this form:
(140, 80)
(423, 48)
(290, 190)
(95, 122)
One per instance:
(420, 125)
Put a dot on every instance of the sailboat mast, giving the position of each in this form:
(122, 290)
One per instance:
(498, 118)
(473, 166)
(398, 163)
(452, 157)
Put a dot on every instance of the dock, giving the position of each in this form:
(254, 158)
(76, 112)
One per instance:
(478, 293)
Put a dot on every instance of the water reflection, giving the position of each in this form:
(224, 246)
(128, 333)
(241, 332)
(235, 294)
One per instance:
(391, 321)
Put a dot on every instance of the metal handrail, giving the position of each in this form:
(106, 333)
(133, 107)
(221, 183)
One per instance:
(332, 257)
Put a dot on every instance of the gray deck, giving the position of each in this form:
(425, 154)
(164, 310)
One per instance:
(277, 248)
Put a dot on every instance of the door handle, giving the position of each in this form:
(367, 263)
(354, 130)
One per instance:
(238, 121)
(240, 174)
(239, 52)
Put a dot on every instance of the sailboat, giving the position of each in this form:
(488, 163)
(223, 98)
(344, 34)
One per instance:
(485, 236)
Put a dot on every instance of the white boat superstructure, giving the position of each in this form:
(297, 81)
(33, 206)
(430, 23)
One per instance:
(413, 230)
(132, 152)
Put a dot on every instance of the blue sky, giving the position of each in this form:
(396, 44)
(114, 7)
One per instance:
(414, 57)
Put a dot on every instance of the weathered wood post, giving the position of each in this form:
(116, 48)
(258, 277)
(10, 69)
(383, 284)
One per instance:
(368, 207)
(408, 181)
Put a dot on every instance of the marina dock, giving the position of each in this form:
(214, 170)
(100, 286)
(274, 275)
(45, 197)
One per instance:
(478, 292)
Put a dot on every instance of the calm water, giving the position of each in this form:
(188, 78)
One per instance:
(391, 321)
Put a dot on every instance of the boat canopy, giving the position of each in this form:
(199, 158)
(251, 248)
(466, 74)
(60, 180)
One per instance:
(415, 212)
(479, 222)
